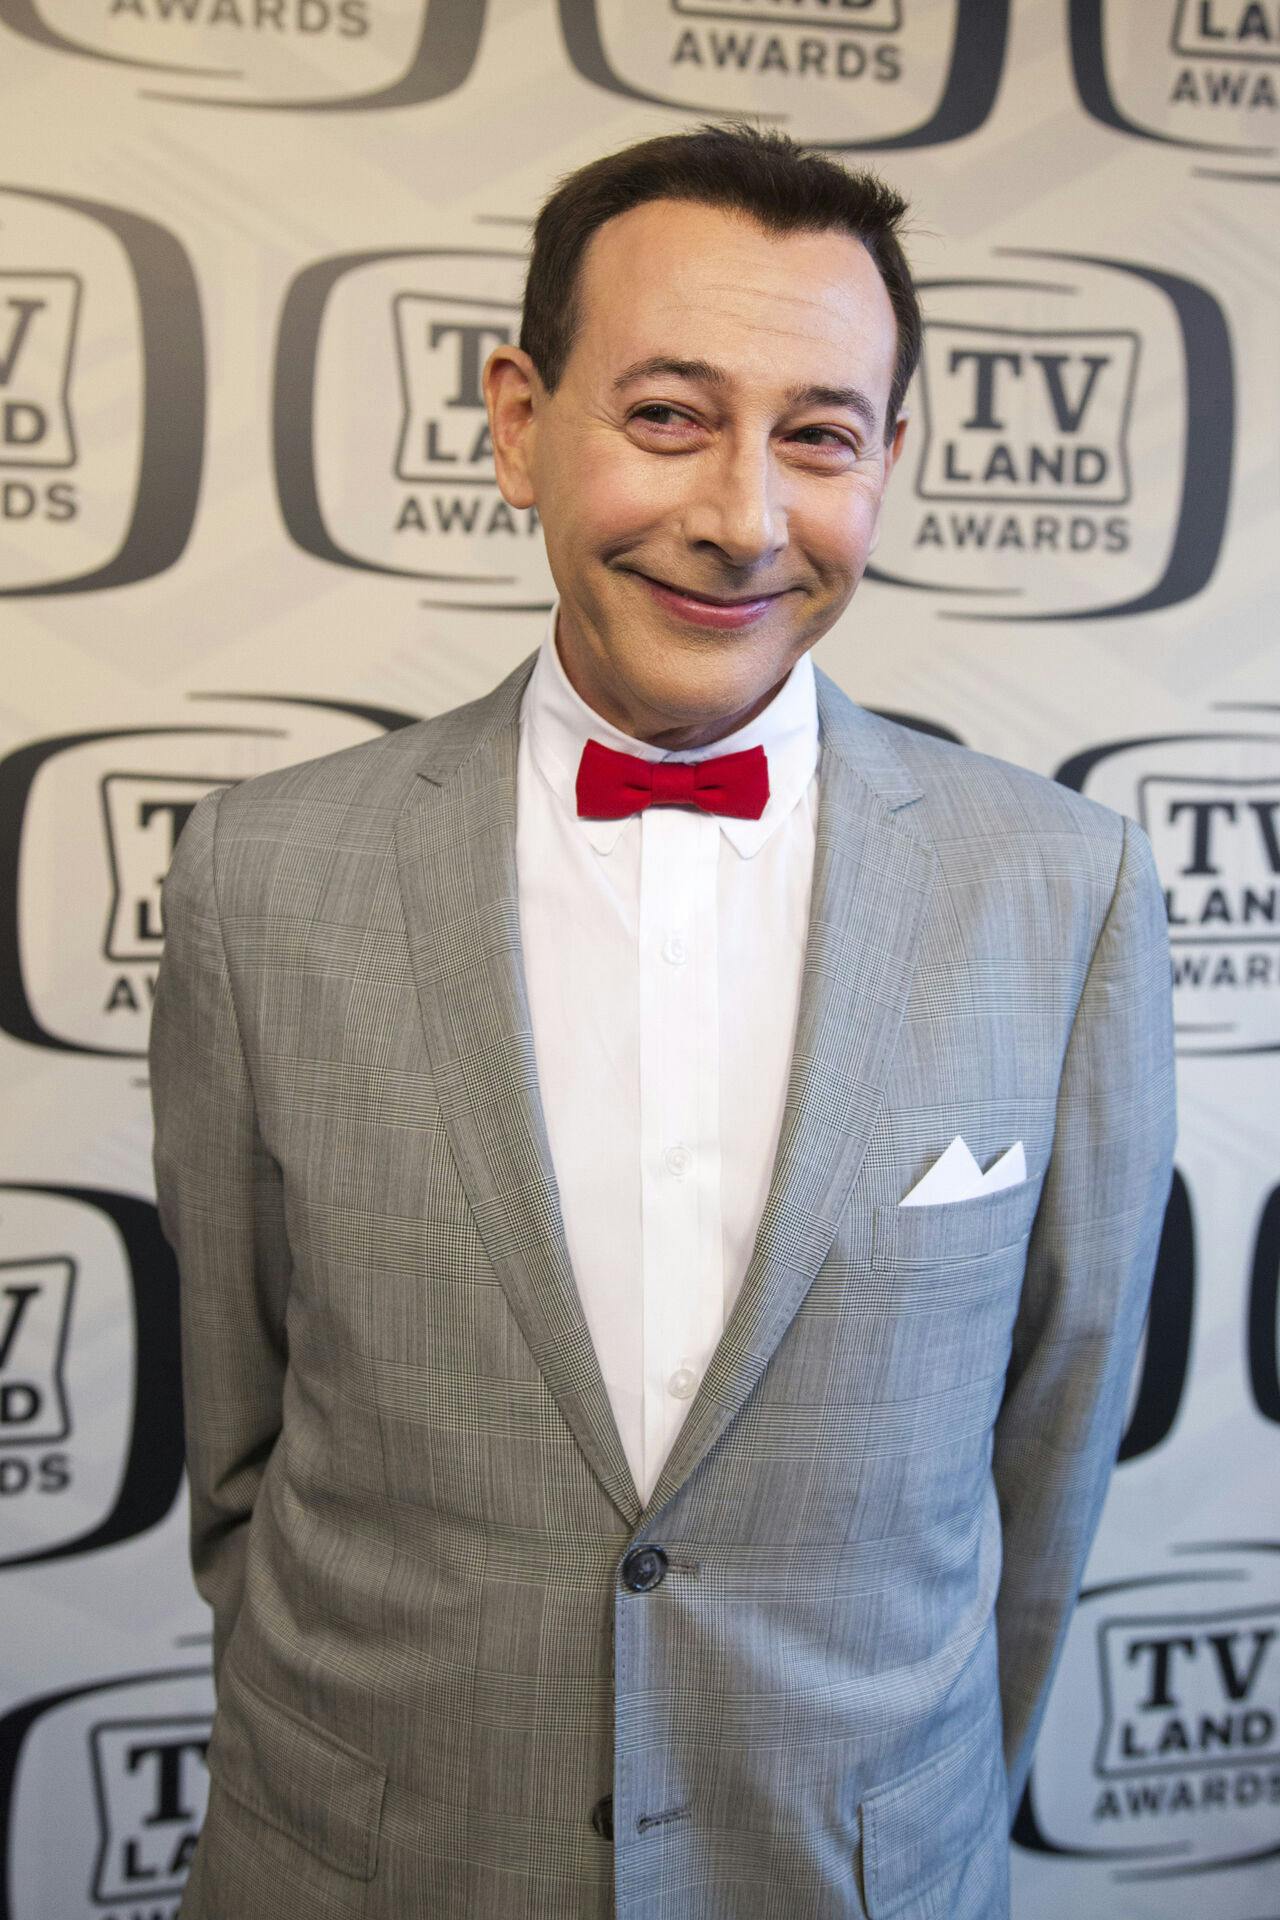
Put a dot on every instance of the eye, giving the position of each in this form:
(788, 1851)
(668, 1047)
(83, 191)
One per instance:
(662, 418)
(827, 439)
(661, 428)
(658, 415)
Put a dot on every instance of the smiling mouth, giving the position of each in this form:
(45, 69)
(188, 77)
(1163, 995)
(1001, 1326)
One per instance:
(727, 602)
(702, 611)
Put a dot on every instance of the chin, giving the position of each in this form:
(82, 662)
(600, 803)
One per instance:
(705, 695)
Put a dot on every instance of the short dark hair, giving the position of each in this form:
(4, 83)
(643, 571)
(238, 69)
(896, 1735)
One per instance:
(765, 175)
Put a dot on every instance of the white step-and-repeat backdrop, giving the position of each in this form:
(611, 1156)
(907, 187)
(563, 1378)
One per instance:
(252, 253)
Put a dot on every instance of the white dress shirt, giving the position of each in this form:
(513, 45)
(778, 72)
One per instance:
(663, 956)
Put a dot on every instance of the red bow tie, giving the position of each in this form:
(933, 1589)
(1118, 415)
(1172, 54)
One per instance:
(613, 785)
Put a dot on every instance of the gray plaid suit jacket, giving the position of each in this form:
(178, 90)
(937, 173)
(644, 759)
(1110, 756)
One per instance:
(412, 1513)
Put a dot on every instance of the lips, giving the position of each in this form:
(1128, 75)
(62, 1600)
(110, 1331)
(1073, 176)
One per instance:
(701, 610)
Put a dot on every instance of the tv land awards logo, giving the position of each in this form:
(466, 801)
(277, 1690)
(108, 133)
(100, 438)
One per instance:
(35, 1315)
(1069, 446)
(395, 474)
(1210, 804)
(88, 825)
(101, 395)
(38, 317)
(1201, 74)
(1072, 391)
(299, 54)
(143, 817)
(1181, 1690)
(837, 73)
(103, 1791)
(151, 1780)
(1160, 1752)
(90, 1417)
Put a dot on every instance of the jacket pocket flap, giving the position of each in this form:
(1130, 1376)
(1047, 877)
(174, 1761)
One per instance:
(297, 1776)
(924, 1824)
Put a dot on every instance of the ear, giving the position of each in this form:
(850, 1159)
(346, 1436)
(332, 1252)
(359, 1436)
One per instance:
(513, 394)
(893, 448)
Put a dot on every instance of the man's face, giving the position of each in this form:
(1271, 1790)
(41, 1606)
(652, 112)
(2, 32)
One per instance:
(710, 470)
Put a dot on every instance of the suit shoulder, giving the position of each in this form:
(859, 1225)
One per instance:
(997, 829)
(279, 837)
(967, 794)
(373, 773)
(1015, 844)
(316, 836)
(370, 779)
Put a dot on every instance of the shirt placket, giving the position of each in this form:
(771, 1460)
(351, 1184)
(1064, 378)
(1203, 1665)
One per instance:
(682, 1248)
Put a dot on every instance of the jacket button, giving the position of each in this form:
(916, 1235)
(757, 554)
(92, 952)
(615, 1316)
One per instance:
(644, 1567)
(602, 1817)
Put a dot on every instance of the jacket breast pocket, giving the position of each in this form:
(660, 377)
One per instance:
(296, 1776)
(944, 1290)
(912, 1240)
(920, 1831)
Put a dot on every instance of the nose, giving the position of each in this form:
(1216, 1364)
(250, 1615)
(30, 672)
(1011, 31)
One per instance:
(737, 505)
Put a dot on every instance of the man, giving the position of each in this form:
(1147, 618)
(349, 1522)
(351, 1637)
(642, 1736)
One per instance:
(611, 1496)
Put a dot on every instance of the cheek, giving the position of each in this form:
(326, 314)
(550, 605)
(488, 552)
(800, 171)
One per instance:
(595, 489)
(837, 533)
(622, 498)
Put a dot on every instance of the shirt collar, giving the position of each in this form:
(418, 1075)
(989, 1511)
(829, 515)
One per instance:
(559, 724)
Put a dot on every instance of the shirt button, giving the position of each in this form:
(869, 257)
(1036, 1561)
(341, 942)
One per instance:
(683, 1383)
(678, 1159)
(674, 951)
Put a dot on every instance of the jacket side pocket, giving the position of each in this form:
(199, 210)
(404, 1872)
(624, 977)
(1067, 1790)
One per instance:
(298, 1777)
(918, 1830)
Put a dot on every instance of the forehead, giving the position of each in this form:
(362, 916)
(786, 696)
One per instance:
(692, 282)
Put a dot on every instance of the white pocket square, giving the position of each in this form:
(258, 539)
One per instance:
(957, 1176)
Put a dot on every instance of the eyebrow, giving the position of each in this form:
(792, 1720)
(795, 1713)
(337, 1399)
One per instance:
(704, 374)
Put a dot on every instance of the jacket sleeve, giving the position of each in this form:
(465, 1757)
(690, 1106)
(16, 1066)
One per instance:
(221, 1206)
(1088, 1276)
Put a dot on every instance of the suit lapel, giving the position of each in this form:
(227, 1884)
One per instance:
(456, 856)
(871, 879)
(457, 865)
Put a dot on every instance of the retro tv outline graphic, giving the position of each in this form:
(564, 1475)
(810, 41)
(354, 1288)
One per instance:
(18, 773)
(1075, 772)
(440, 63)
(17, 1724)
(1097, 97)
(1209, 387)
(173, 399)
(1130, 1863)
(968, 95)
(293, 419)
(154, 1462)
